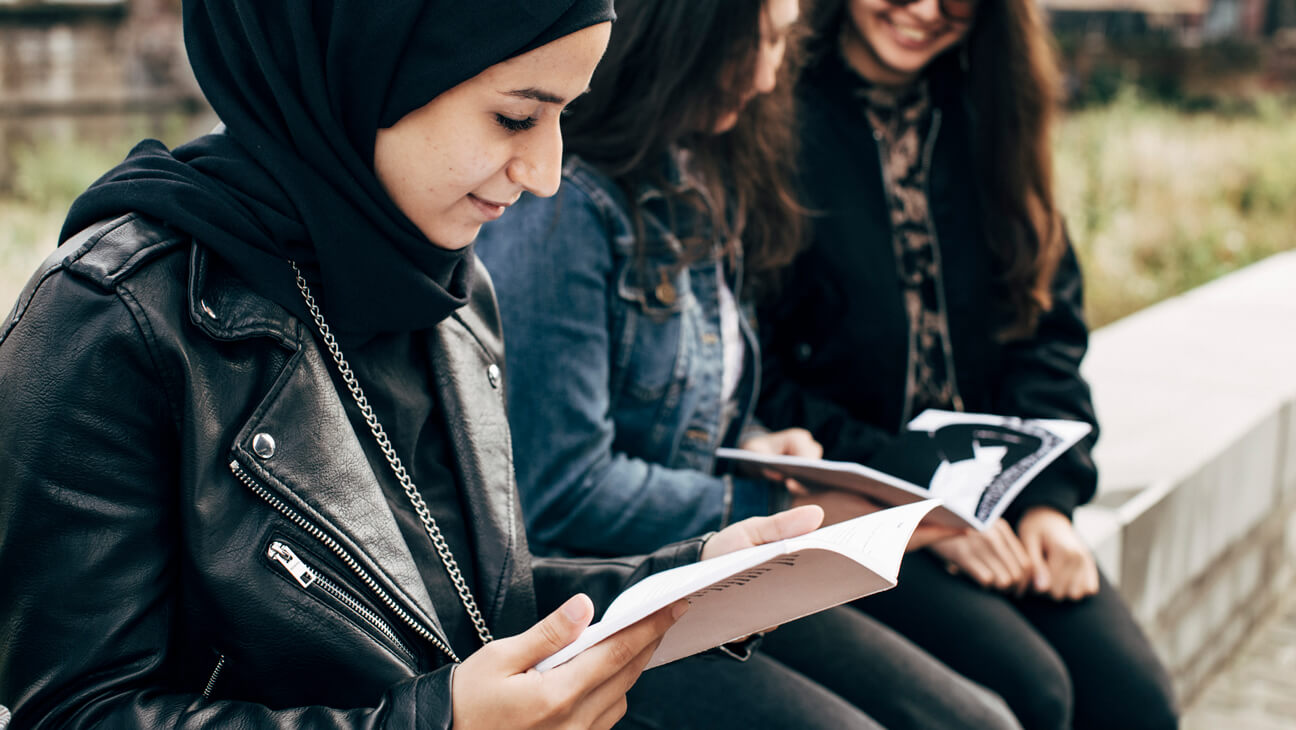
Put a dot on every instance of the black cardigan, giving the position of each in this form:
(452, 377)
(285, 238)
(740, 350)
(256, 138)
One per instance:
(835, 340)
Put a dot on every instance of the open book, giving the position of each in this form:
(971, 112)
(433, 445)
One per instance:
(755, 589)
(975, 463)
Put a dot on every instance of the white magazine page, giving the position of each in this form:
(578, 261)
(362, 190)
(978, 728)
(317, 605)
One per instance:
(984, 461)
(754, 589)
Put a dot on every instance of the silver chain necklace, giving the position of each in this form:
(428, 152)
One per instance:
(407, 484)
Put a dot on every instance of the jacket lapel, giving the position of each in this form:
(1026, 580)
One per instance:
(470, 388)
(318, 467)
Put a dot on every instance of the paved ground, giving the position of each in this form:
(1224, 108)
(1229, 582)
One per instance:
(1258, 690)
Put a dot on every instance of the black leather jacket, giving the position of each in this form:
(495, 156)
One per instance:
(173, 452)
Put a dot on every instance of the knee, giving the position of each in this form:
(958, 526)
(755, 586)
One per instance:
(1046, 704)
(1151, 707)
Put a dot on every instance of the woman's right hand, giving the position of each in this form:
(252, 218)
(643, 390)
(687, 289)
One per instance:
(498, 687)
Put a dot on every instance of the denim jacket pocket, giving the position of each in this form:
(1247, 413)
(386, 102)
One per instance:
(652, 353)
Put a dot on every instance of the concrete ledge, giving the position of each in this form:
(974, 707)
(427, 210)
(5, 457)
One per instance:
(1195, 518)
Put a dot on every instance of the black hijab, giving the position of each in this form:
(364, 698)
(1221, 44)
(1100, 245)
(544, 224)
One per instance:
(302, 87)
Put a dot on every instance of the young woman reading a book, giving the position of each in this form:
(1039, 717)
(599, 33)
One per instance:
(254, 459)
(631, 355)
(938, 276)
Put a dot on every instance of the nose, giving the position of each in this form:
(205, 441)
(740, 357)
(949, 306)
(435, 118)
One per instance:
(537, 167)
(927, 10)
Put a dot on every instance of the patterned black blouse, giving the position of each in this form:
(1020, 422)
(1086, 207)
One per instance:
(901, 120)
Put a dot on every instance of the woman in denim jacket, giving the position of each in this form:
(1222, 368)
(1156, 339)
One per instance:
(630, 347)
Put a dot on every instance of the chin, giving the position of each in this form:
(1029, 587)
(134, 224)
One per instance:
(454, 242)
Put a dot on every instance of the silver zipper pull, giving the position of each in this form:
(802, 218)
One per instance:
(282, 554)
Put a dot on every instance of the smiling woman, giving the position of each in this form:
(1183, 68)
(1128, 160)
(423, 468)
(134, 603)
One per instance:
(255, 464)
(927, 126)
(461, 159)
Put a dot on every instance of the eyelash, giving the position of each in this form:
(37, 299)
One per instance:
(515, 125)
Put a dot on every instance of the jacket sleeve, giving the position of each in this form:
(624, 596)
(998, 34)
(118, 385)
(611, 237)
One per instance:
(786, 402)
(551, 261)
(557, 579)
(90, 556)
(1041, 379)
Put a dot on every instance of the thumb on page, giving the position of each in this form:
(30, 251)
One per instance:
(552, 633)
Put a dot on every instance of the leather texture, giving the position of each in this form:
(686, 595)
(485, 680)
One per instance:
(137, 516)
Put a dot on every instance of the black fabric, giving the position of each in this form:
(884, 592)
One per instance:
(835, 343)
(303, 88)
(394, 370)
(1058, 664)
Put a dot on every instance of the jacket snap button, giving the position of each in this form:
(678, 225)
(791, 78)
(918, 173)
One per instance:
(263, 445)
(493, 372)
(207, 309)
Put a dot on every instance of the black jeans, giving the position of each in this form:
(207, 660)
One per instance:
(716, 692)
(836, 669)
(1082, 664)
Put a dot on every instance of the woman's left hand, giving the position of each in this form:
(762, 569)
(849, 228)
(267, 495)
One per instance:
(788, 442)
(1064, 566)
(760, 530)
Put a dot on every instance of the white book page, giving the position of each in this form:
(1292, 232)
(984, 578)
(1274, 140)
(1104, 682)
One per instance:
(754, 589)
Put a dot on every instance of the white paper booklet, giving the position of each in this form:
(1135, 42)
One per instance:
(975, 463)
(755, 589)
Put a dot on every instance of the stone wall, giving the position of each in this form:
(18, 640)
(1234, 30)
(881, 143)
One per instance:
(92, 69)
(1195, 519)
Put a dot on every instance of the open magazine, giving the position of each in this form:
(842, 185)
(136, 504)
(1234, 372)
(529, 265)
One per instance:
(755, 589)
(975, 463)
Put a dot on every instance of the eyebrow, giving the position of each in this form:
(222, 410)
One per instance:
(537, 95)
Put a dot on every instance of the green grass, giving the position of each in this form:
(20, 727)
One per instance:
(1157, 200)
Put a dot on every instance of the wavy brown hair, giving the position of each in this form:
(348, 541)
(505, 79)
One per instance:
(673, 70)
(1013, 86)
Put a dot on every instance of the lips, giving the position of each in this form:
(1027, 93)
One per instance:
(912, 37)
(488, 208)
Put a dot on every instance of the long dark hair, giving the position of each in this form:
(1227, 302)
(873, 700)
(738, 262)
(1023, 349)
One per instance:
(673, 70)
(1012, 83)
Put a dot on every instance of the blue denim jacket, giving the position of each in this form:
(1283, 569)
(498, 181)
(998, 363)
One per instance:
(614, 364)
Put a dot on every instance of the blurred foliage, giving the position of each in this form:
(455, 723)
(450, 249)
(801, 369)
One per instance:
(45, 174)
(1159, 200)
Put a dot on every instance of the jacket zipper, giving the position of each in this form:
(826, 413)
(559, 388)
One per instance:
(279, 506)
(211, 681)
(307, 577)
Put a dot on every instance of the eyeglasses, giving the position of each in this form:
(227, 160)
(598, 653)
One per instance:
(960, 10)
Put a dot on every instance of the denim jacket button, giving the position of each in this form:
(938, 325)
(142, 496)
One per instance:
(493, 374)
(665, 290)
(263, 445)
